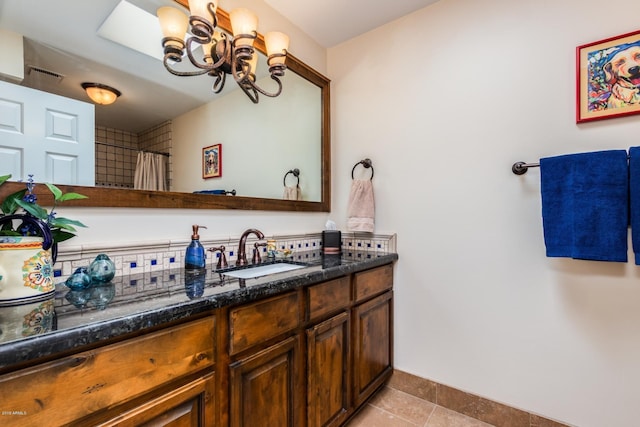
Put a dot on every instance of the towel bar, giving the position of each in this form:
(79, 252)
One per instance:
(366, 163)
(295, 172)
(520, 168)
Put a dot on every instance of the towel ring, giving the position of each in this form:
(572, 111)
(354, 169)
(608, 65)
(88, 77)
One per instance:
(296, 173)
(366, 163)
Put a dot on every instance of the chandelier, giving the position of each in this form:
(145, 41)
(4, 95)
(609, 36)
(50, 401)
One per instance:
(221, 54)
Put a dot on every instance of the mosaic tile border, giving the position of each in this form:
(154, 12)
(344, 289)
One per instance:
(147, 257)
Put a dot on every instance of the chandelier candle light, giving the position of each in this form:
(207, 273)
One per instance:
(222, 55)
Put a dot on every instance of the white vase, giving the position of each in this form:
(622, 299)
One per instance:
(26, 270)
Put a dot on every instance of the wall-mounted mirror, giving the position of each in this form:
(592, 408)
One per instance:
(254, 160)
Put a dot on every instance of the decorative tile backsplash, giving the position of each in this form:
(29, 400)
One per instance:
(139, 258)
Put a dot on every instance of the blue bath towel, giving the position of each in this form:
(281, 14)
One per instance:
(634, 200)
(585, 205)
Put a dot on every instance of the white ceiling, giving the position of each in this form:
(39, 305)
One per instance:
(331, 22)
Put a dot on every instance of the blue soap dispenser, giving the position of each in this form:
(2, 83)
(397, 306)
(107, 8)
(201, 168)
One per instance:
(194, 257)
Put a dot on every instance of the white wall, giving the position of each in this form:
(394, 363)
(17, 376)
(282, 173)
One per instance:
(444, 101)
(12, 59)
(259, 146)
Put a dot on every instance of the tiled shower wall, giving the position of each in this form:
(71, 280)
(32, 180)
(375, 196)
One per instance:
(159, 256)
(117, 152)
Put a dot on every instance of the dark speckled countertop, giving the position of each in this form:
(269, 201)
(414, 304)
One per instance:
(75, 319)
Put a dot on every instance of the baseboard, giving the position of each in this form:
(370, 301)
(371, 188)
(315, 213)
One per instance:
(480, 408)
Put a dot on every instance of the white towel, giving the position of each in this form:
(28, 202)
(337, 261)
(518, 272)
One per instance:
(361, 209)
(292, 193)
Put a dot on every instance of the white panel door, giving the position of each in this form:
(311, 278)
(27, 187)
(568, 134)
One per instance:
(46, 135)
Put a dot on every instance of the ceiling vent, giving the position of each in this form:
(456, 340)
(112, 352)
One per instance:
(44, 72)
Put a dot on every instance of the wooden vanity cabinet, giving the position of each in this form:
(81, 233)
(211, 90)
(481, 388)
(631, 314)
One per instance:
(328, 373)
(265, 375)
(372, 331)
(372, 351)
(308, 357)
(328, 353)
(164, 378)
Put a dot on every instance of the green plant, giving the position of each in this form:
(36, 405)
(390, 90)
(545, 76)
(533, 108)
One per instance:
(61, 228)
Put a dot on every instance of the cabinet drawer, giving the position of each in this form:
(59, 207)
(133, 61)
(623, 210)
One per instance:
(73, 387)
(328, 297)
(254, 323)
(373, 282)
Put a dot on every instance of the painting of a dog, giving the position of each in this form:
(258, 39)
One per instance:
(608, 73)
(622, 72)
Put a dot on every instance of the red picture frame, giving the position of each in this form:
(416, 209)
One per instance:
(608, 78)
(212, 161)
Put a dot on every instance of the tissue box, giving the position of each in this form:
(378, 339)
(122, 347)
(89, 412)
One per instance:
(331, 241)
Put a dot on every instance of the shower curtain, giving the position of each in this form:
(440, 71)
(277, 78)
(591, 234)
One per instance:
(151, 172)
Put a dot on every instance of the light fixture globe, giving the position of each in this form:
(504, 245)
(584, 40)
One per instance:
(101, 94)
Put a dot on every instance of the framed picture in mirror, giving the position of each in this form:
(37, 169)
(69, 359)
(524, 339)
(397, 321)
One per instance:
(212, 161)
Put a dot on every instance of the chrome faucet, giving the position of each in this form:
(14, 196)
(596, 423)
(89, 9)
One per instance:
(242, 250)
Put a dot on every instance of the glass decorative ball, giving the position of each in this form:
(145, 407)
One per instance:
(80, 279)
(102, 269)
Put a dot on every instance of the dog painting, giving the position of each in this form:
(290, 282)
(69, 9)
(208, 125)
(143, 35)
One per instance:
(622, 73)
(212, 161)
(609, 78)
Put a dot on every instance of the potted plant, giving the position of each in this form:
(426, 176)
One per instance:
(61, 229)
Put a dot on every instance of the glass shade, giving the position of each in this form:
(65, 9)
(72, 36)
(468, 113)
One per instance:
(276, 42)
(253, 63)
(101, 94)
(243, 21)
(174, 23)
(199, 8)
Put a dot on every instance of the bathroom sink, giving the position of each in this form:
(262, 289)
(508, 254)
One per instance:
(261, 270)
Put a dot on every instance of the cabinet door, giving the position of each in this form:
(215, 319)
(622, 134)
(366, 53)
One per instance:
(265, 387)
(189, 405)
(327, 372)
(372, 345)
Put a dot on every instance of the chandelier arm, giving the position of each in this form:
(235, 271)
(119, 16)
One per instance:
(269, 94)
(242, 75)
(250, 91)
(193, 60)
(213, 14)
(181, 73)
(218, 85)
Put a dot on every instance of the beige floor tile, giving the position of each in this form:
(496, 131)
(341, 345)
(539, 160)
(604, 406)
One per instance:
(443, 417)
(371, 416)
(403, 405)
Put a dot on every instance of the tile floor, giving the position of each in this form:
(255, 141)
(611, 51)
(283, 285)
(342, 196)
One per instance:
(394, 408)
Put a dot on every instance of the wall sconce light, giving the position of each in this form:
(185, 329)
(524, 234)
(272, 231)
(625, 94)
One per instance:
(101, 94)
(222, 55)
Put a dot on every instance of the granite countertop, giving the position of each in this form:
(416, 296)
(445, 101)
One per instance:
(75, 319)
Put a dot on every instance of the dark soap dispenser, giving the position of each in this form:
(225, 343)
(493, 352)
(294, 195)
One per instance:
(194, 257)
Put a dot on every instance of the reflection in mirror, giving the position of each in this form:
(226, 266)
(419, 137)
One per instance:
(261, 143)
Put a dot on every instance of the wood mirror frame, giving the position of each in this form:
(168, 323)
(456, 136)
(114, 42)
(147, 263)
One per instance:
(127, 198)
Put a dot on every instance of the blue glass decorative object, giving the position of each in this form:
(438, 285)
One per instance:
(102, 295)
(102, 269)
(80, 279)
(78, 298)
(194, 282)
